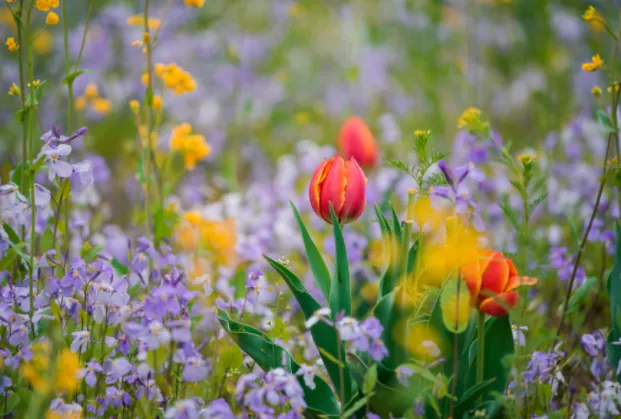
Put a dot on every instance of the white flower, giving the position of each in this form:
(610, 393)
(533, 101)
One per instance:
(320, 314)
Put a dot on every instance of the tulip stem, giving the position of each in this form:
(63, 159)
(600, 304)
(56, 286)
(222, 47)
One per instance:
(481, 348)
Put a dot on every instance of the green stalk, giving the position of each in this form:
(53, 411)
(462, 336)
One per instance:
(481, 348)
(149, 109)
(22, 87)
(33, 210)
(63, 4)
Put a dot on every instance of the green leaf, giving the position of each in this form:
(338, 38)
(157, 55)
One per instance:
(34, 101)
(268, 356)
(157, 357)
(580, 294)
(70, 78)
(92, 253)
(604, 119)
(387, 283)
(498, 345)
(46, 240)
(119, 267)
(393, 313)
(455, 305)
(468, 400)
(370, 380)
(22, 114)
(359, 404)
(324, 336)
(340, 292)
(315, 261)
(614, 290)
(164, 222)
(14, 243)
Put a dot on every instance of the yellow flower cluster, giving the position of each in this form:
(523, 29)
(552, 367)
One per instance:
(36, 371)
(594, 19)
(11, 44)
(138, 20)
(590, 14)
(91, 97)
(193, 147)
(51, 19)
(594, 65)
(195, 3)
(15, 90)
(174, 77)
(46, 5)
(469, 117)
(217, 237)
(596, 91)
(527, 158)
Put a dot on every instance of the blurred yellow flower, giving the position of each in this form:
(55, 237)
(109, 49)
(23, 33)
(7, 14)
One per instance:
(134, 105)
(218, 237)
(138, 20)
(51, 19)
(594, 19)
(527, 158)
(176, 78)
(80, 103)
(34, 371)
(470, 116)
(369, 292)
(157, 102)
(91, 91)
(194, 3)
(193, 147)
(101, 105)
(596, 91)
(11, 44)
(594, 65)
(45, 5)
(15, 90)
(67, 367)
(42, 44)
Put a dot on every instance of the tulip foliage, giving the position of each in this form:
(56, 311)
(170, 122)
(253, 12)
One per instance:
(355, 383)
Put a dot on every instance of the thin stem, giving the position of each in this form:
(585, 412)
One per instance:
(88, 19)
(33, 208)
(611, 136)
(149, 109)
(67, 68)
(481, 348)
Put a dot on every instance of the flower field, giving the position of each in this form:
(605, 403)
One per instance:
(310, 209)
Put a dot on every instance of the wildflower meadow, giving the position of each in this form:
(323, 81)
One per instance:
(310, 208)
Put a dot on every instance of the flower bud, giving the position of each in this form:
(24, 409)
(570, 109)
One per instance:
(356, 140)
(342, 184)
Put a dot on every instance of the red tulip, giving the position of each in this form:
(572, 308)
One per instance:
(492, 281)
(341, 183)
(356, 141)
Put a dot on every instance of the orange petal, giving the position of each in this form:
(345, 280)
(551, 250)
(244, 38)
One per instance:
(332, 190)
(495, 276)
(498, 306)
(355, 197)
(317, 180)
(356, 141)
(520, 281)
(471, 272)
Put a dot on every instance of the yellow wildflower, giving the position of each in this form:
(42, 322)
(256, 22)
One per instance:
(594, 65)
(134, 105)
(145, 79)
(51, 19)
(421, 132)
(526, 158)
(80, 103)
(218, 237)
(42, 44)
(195, 3)
(46, 5)
(157, 102)
(15, 90)
(192, 146)
(369, 291)
(91, 91)
(67, 369)
(470, 116)
(594, 19)
(11, 44)
(138, 20)
(35, 84)
(596, 91)
(174, 77)
(101, 105)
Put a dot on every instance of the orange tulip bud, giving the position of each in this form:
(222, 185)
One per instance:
(341, 183)
(492, 281)
(356, 140)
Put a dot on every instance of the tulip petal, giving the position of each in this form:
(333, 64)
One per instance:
(314, 189)
(332, 190)
(495, 276)
(356, 141)
(520, 281)
(497, 306)
(471, 272)
(355, 198)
